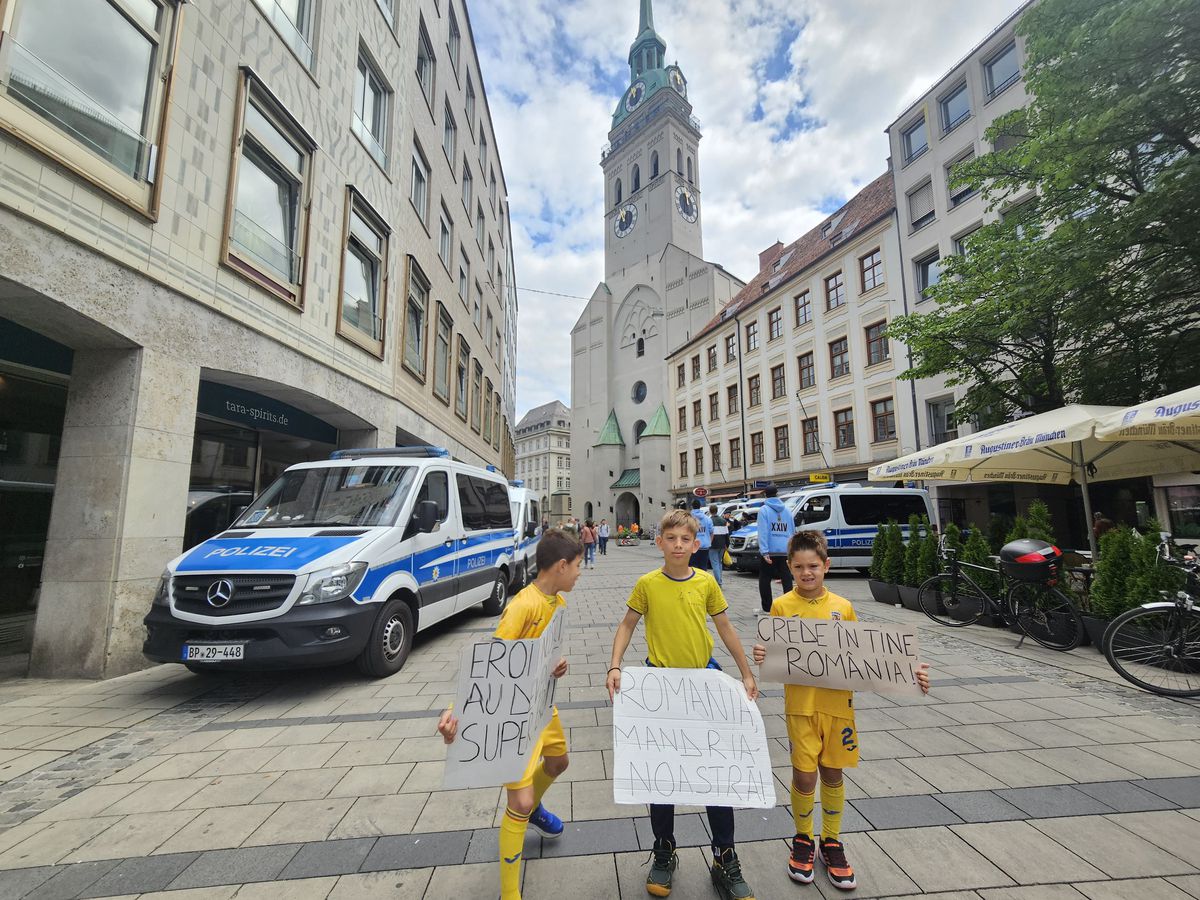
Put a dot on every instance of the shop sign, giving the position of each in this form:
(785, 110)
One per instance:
(244, 407)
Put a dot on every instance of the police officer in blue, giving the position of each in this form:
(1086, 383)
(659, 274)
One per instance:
(775, 528)
(704, 534)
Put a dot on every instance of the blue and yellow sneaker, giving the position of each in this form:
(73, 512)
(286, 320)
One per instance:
(545, 823)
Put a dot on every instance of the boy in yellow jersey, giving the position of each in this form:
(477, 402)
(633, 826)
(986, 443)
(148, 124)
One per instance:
(820, 721)
(675, 601)
(526, 616)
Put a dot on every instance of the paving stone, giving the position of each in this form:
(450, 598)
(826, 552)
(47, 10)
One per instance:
(363, 781)
(418, 851)
(19, 882)
(763, 824)
(691, 830)
(69, 881)
(594, 800)
(485, 845)
(889, 778)
(141, 874)
(953, 773)
(218, 867)
(1124, 796)
(53, 842)
(302, 820)
(937, 859)
(456, 810)
(980, 806)
(88, 803)
(885, 745)
(328, 858)
(691, 876)
(878, 875)
(905, 812)
(1032, 892)
(302, 784)
(1024, 854)
(1053, 800)
(1142, 888)
(1111, 848)
(295, 889)
(217, 829)
(1188, 883)
(599, 836)
(230, 790)
(992, 738)
(406, 885)
(132, 836)
(1180, 791)
(374, 816)
(1047, 734)
(1079, 765)
(1179, 835)
(933, 741)
(1015, 769)
(580, 877)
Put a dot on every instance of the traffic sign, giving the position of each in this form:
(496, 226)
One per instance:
(819, 478)
(759, 485)
(701, 492)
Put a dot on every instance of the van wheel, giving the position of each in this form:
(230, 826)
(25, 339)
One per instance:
(864, 571)
(498, 598)
(390, 641)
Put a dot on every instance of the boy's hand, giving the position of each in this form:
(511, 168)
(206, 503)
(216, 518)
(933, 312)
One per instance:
(759, 652)
(448, 726)
(751, 687)
(767, 558)
(923, 677)
(561, 669)
(613, 683)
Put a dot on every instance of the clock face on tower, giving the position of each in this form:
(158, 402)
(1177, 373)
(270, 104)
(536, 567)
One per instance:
(626, 219)
(677, 82)
(686, 203)
(637, 93)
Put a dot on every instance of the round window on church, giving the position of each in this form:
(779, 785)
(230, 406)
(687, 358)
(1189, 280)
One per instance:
(639, 392)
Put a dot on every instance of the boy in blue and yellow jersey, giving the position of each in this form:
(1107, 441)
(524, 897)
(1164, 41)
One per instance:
(526, 616)
(820, 721)
(675, 602)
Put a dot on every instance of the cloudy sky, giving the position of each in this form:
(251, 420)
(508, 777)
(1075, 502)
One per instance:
(793, 97)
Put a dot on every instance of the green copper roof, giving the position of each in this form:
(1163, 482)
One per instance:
(659, 425)
(630, 478)
(648, 69)
(610, 434)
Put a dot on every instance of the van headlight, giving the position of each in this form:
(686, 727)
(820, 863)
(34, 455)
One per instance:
(751, 542)
(329, 585)
(162, 593)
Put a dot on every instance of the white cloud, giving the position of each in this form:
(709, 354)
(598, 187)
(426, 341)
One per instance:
(854, 65)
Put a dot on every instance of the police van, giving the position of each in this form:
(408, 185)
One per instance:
(338, 560)
(849, 515)
(527, 528)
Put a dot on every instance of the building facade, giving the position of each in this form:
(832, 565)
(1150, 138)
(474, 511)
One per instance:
(657, 292)
(234, 235)
(543, 440)
(796, 378)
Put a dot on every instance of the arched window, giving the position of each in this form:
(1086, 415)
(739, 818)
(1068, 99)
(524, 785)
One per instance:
(679, 161)
(690, 179)
(653, 165)
(638, 427)
(641, 346)
(619, 194)
(637, 180)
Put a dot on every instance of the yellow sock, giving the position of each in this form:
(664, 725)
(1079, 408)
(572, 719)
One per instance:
(802, 810)
(541, 782)
(833, 802)
(512, 846)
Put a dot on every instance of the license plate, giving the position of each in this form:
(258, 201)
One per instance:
(213, 652)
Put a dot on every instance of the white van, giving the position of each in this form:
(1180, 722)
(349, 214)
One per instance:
(849, 515)
(338, 560)
(527, 531)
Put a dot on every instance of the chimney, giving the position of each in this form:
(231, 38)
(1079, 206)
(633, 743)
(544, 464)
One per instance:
(769, 255)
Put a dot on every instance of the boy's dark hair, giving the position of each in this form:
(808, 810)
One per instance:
(712, 509)
(556, 546)
(770, 492)
(695, 504)
(808, 540)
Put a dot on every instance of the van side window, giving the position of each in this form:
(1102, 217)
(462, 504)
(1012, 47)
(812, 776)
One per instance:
(869, 508)
(436, 488)
(815, 509)
(471, 503)
(534, 516)
(495, 499)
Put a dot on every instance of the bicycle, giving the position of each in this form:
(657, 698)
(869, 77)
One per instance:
(1039, 609)
(1160, 640)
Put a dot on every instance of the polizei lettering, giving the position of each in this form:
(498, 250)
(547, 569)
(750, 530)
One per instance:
(251, 551)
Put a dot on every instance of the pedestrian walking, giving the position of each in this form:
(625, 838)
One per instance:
(720, 540)
(602, 534)
(587, 534)
(703, 535)
(775, 529)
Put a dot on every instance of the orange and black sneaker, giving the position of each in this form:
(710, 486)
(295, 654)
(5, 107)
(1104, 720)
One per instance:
(833, 855)
(800, 866)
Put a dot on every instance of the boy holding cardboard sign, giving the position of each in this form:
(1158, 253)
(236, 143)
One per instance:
(820, 721)
(527, 616)
(675, 601)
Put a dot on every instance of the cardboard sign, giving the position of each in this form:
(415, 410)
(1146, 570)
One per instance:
(504, 700)
(848, 656)
(689, 736)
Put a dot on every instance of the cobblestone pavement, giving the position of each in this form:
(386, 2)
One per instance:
(1025, 774)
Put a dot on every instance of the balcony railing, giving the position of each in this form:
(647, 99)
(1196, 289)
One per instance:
(287, 28)
(249, 238)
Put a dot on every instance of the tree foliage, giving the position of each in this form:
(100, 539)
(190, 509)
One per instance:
(1087, 289)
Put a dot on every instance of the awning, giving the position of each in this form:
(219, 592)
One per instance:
(630, 478)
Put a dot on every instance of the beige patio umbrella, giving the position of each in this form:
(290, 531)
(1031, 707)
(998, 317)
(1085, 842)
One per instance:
(1173, 417)
(1051, 448)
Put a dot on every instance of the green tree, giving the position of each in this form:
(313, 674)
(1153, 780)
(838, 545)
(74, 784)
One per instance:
(927, 565)
(953, 535)
(1108, 596)
(976, 551)
(879, 551)
(893, 558)
(912, 552)
(1040, 523)
(1019, 530)
(1091, 292)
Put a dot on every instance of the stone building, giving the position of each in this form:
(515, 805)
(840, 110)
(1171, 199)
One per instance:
(543, 441)
(234, 235)
(658, 290)
(795, 377)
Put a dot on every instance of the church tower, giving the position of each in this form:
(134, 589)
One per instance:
(651, 165)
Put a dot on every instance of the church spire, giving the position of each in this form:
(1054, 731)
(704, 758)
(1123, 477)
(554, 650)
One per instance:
(647, 16)
(649, 50)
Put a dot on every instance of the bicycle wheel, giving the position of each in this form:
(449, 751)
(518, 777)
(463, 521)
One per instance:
(1046, 614)
(1157, 649)
(951, 601)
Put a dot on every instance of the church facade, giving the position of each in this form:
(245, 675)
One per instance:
(658, 291)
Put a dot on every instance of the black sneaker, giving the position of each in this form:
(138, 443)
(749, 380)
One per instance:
(800, 866)
(833, 855)
(662, 868)
(727, 877)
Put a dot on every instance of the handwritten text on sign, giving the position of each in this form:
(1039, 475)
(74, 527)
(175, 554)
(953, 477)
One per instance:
(504, 700)
(689, 736)
(830, 653)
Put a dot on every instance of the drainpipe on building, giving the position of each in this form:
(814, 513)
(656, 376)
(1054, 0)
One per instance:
(737, 330)
(912, 385)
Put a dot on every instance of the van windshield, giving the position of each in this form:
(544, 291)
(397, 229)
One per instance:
(337, 495)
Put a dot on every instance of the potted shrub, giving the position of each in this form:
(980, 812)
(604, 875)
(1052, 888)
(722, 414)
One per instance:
(909, 587)
(882, 590)
(976, 552)
(1039, 525)
(892, 570)
(1110, 595)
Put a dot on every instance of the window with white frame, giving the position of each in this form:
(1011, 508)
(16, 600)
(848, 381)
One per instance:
(920, 206)
(1001, 71)
(363, 266)
(914, 140)
(960, 191)
(441, 355)
(416, 320)
(464, 274)
(483, 151)
(929, 272)
(479, 225)
(477, 309)
(418, 191)
(462, 374)
(426, 64)
(467, 185)
(446, 238)
(470, 105)
(803, 309)
(492, 188)
(371, 101)
(454, 41)
(476, 394)
(449, 134)
(955, 107)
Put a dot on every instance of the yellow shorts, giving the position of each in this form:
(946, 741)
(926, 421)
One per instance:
(821, 738)
(553, 742)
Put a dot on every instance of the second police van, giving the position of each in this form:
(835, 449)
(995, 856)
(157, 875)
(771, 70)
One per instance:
(338, 560)
(849, 515)
(527, 526)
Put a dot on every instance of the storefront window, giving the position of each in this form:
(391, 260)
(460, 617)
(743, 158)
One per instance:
(1183, 506)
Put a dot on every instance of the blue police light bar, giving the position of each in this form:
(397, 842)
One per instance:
(421, 452)
(492, 469)
(517, 483)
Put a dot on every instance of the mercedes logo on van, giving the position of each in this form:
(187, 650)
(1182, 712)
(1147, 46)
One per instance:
(220, 593)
